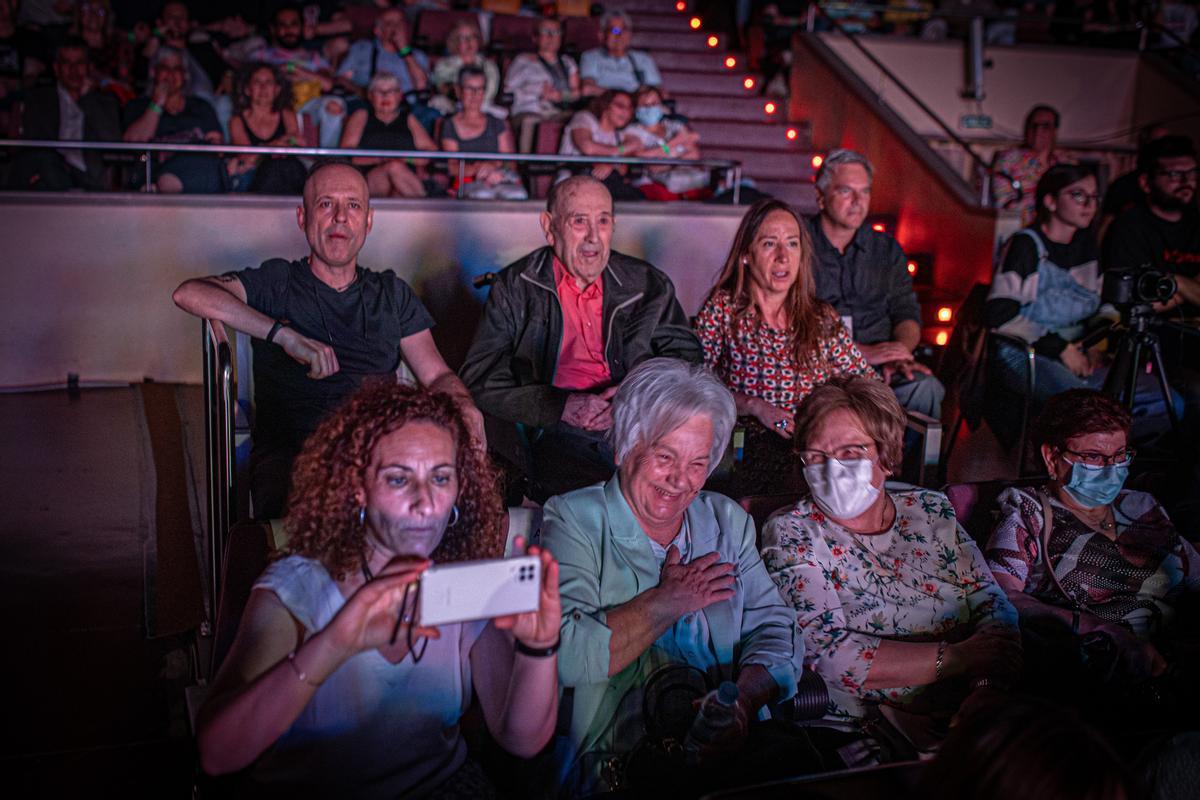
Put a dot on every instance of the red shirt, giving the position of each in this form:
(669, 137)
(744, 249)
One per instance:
(581, 364)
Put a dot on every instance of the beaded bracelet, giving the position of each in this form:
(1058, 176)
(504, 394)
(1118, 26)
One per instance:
(937, 663)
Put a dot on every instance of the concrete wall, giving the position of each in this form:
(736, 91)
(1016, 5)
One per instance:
(1097, 91)
(86, 280)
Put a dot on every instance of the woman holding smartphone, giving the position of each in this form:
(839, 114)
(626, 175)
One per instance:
(330, 687)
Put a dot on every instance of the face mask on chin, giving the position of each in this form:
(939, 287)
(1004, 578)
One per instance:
(842, 489)
(1096, 486)
(650, 115)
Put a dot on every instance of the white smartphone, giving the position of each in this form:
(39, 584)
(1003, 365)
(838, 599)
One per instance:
(479, 590)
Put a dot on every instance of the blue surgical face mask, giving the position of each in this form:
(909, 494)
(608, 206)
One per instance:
(1096, 486)
(649, 115)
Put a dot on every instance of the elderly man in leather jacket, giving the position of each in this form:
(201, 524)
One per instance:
(561, 329)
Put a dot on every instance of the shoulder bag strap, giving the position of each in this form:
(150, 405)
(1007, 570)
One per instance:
(1047, 523)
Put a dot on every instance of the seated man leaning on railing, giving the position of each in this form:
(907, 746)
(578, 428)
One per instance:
(322, 326)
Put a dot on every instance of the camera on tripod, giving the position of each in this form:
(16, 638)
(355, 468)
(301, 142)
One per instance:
(1137, 287)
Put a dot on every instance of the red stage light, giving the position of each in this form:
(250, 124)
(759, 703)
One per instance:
(695, 23)
(770, 108)
(878, 226)
(912, 268)
(945, 314)
(817, 161)
(681, 6)
(730, 62)
(792, 134)
(748, 83)
(713, 41)
(941, 338)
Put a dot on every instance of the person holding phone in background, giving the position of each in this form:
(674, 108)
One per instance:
(327, 688)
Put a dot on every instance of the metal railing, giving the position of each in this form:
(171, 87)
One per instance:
(984, 169)
(733, 169)
(220, 398)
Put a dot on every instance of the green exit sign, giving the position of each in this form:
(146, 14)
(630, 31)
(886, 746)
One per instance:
(975, 121)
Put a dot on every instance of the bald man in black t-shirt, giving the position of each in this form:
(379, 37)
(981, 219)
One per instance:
(321, 325)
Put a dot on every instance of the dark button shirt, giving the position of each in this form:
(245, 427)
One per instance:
(1139, 237)
(868, 283)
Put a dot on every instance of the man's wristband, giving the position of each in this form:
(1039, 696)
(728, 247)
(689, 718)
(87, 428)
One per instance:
(537, 652)
(278, 326)
(155, 107)
(620, 149)
(291, 67)
(405, 52)
(666, 148)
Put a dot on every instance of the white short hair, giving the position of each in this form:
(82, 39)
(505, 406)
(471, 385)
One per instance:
(661, 394)
(382, 78)
(606, 22)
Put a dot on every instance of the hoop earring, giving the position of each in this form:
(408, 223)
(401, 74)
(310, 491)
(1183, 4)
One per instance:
(362, 515)
(454, 517)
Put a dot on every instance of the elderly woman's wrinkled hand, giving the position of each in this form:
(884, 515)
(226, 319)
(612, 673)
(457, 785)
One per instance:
(537, 629)
(689, 587)
(591, 412)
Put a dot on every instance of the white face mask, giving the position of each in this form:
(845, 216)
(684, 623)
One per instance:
(842, 489)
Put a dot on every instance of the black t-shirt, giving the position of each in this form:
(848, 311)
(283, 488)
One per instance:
(364, 324)
(1139, 236)
(188, 126)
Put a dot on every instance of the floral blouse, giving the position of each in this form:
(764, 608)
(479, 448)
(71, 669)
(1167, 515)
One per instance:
(918, 581)
(756, 360)
(1024, 166)
(1128, 579)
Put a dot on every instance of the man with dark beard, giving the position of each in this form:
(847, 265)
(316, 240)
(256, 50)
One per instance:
(1164, 233)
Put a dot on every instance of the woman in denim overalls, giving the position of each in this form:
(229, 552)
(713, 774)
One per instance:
(1046, 291)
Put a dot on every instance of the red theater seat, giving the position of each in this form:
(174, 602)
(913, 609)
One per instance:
(433, 28)
(514, 34)
(580, 33)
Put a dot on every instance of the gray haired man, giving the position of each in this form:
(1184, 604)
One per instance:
(863, 274)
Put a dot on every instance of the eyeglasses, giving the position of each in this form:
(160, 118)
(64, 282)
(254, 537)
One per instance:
(849, 452)
(1036, 126)
(1094, 459)
(1179, 175)
(549, 32)
(1082, 197)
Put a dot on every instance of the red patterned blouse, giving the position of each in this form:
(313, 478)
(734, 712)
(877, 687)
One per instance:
(756, 360)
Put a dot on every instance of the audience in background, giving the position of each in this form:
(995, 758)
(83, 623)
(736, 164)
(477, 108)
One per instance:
(771, 341)
(543, 84)
(311, 75)
(465, 46)
(561, 329)
(263, 116)
(74, 108)
(330, 688)
(388, 124)
(660, 136)
(863, 274)
(615, 66)
(1015, 172)
(1125, 192)
(390, 51)
(472, 130)
(322, 325)
(205, 65)
(893, 598)
(1163, 233)
(656, 573)
(113, 55)
(600, 131)
(172, 114)
(1083, 550)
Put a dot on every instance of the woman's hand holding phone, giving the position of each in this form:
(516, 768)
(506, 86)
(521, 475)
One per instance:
(537, 629)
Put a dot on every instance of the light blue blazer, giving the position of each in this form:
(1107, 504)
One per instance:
(605, 560)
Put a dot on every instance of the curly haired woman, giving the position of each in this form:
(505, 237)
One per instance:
(319, 693)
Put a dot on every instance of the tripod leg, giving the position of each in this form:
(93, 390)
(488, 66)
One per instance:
(1163, 385)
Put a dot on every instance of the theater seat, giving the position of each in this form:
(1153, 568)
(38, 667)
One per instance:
(513, 34)
(247, 553)
(433, 29)
(975, 504)
(580, 34)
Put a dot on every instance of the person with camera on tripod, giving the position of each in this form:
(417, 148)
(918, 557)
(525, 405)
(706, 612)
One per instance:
(1046, 292)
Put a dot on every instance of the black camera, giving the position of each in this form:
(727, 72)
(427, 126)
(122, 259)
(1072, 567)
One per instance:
(1135, 287)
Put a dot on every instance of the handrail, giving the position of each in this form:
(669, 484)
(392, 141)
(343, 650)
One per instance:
(219, 404)
(729, 165)
(983, 166)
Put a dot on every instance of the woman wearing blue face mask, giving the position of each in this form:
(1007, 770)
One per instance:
(660, 136)
(894, 600)
(1109, 559)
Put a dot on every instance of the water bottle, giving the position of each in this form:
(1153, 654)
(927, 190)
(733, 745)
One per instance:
(717, 714)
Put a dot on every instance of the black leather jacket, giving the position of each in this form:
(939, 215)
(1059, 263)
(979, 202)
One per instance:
(511, 364)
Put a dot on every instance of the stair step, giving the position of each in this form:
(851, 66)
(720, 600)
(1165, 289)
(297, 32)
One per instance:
(702, 105)
(654, 6)
(764, 135)
(712, 60)
(781, 164)
(654, 41)
(800, 194)
(674, 22)
(727, 83)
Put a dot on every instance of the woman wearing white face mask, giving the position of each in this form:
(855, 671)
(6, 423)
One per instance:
(895, 601)
(661, 136)
(1116, 563)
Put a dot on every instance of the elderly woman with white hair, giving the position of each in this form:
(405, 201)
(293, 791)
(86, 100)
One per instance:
(656, 572)
(388, 125)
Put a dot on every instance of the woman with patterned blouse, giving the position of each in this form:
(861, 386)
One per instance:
(1116, 563)
(894, 600)
(770, 340)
